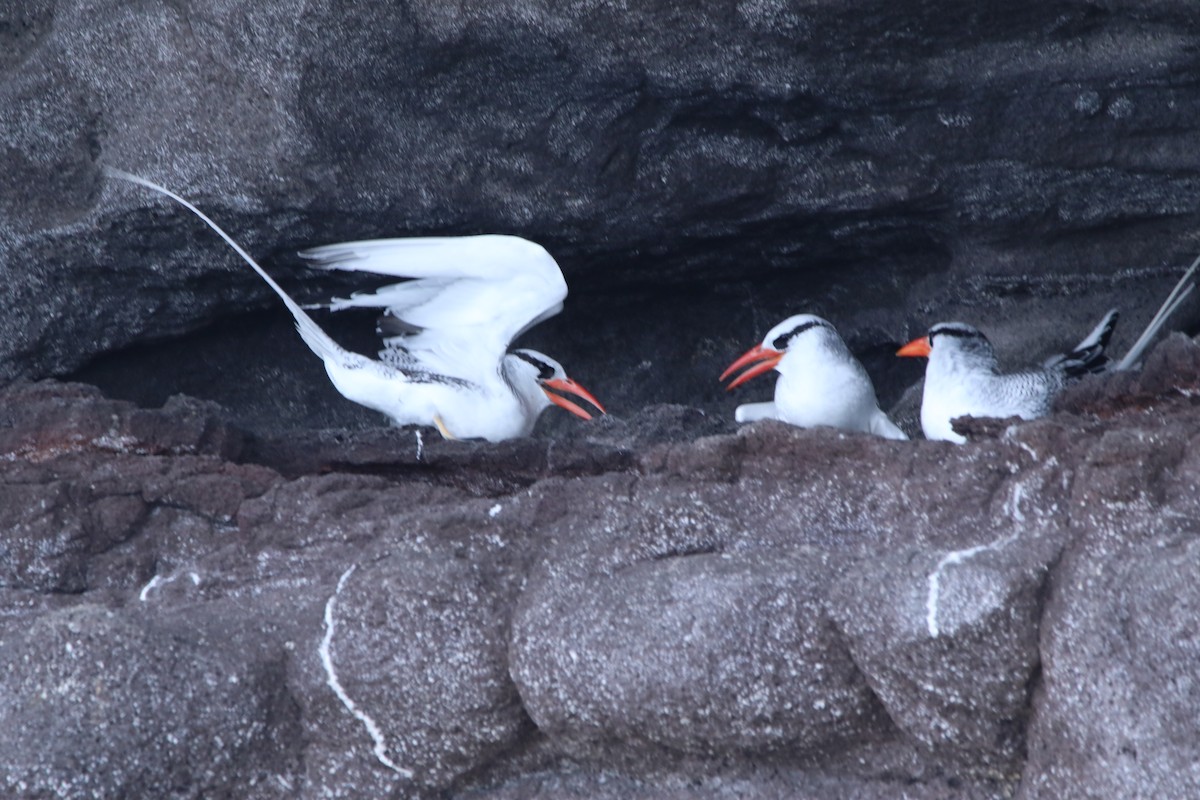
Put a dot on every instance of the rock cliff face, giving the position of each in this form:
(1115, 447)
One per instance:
(218, 578)
(637, 608)
(700, 170)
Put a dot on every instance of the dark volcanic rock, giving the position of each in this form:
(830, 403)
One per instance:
(950, 644)
(1117, 707)
(701, 172)
(415, 646)
(695, 653)
(624, 611)
(606, 444)
(41, 421)
(100, 702)
(276, 597)
(70, 515)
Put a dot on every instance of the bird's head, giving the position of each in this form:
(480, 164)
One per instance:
(530, 367)
(950, 342)
(785, 336)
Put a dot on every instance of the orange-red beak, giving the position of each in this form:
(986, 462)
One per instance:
(767, 357)
(570, 387)
(917, 348)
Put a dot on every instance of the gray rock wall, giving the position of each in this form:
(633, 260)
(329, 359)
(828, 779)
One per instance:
(634, 609)
(275, 598)
(700, 170)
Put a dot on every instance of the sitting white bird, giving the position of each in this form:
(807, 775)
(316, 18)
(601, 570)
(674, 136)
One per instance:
(963, 377)
(445, 360)
(820, 381)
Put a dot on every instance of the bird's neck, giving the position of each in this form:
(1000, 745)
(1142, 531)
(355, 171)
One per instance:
(526, 389)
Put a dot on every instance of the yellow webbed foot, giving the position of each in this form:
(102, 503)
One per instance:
(442, 429)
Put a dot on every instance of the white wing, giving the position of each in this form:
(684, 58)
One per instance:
(880, 425)
(752, 412)
(469, 298)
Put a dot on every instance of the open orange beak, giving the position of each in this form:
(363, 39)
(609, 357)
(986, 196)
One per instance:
(767, 357)
(917, 348)
(570, 387)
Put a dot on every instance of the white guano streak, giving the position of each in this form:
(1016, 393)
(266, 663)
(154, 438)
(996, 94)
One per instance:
(154, 583)
(959, 556)
(325, 651)
(158, 580)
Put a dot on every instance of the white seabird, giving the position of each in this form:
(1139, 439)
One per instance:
(963, 377)
(445, 360)
(820, 380)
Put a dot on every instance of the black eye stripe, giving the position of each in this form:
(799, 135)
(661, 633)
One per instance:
(545, 371)
(961, 333)
(780, 342)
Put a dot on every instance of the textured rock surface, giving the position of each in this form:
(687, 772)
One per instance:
(697, 653)
(701, 172)
(101, 702)
(634, 609)
(270, 597)
(949, 643)
(1118, 702)
(415, 641)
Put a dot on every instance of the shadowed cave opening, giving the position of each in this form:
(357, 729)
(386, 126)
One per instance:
(634, 347)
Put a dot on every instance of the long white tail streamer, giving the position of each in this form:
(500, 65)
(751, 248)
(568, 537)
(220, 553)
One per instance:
(317, 340)
(1169, 306)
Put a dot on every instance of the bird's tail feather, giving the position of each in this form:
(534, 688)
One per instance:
(1174, 300)
(1101, 334)
(317, 340)
(1088, 355)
